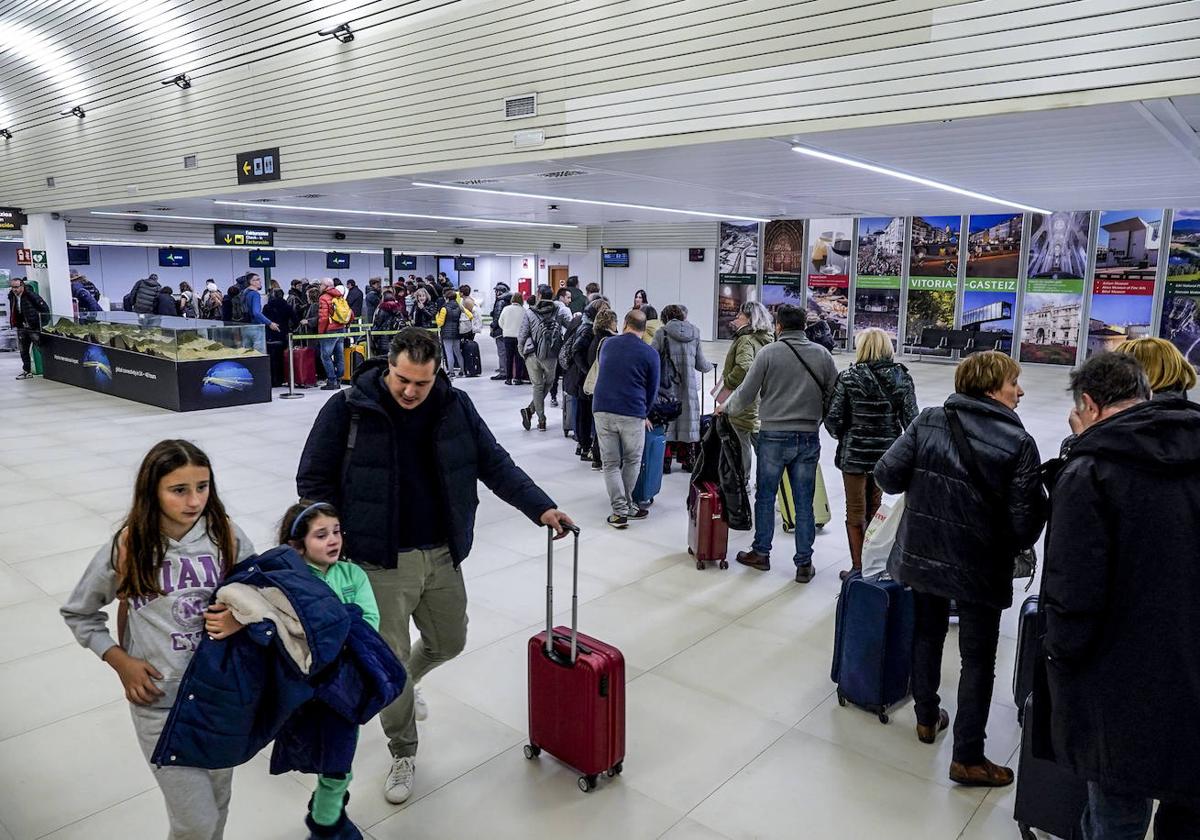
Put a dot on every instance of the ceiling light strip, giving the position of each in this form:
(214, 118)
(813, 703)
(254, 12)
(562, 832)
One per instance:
(592, 201)
(916, 179)
(256, 222)
(395, 214)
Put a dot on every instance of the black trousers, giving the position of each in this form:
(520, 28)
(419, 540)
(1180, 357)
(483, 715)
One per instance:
(978, 635)
(26, 338)
(516, 366)
(583, 421)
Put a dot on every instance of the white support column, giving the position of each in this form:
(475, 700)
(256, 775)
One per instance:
(44, 233)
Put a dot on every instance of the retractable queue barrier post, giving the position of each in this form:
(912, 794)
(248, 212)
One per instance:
(291, 391)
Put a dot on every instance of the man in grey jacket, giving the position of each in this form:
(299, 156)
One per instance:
(538, 341)
(793, 377)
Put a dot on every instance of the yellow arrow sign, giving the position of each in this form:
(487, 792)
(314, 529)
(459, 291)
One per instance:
(228, 239)
(246, 167)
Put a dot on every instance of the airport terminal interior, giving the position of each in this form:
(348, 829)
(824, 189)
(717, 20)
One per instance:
(1017, 178)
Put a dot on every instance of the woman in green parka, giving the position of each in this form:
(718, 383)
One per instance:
(753, 330)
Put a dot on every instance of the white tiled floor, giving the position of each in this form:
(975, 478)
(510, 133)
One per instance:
(733, 730)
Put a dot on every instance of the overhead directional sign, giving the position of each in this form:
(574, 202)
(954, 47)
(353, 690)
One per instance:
(11, 218)
(262, 259)
(258, 166)
(244, 236)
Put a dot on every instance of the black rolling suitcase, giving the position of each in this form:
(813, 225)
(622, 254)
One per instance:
(472, 365)
(1049, 797)
(1031, 627)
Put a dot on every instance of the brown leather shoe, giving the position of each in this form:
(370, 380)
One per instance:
(928, 734)
(754, 560)
(980, 775)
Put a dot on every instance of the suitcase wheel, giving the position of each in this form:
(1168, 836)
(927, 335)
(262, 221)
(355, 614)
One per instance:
(700, 565)
(820, 526)
(1026, 832)
(724, 564)
(532, 752)
(616, 769)
(690, 550)
(841, 699)
(883, 717)
(587, 784)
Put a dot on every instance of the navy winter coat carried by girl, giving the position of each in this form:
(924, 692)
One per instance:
(240, 693)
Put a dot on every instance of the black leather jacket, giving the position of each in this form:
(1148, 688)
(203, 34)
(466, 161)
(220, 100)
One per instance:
(720, 461)
(952, 541)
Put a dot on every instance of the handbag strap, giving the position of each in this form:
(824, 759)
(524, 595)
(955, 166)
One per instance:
(967, 454)
(800, 359)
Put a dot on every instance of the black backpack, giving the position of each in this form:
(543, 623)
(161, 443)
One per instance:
(240, 308)
(547, 337)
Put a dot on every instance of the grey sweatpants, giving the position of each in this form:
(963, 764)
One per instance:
(427, 588)
(621, 440)
(541, 374)
(197, 799)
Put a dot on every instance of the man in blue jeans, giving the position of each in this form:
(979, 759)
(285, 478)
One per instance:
(792, 377)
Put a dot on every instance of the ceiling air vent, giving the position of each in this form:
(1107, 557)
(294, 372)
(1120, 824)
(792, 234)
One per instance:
(519, 107)
(562, 173)
(311, 195)
(263, 200)
(476, 182)
(163, 209)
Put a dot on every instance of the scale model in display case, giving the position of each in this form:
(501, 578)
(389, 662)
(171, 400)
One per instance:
(178, 363)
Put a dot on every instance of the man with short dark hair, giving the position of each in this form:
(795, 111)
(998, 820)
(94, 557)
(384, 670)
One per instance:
(578, 298)
(25, 310)
(1120, 587)
(354, 297)
(626, 386)
(793, 377)
(400, 454)
(592, 289)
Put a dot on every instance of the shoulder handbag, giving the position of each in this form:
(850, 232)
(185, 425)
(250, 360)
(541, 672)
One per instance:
(589, 383)
(1025, 560)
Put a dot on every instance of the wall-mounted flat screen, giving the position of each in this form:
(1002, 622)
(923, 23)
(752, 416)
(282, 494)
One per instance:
(79, 255)
(262, 259)
(333, 259)
(405, 263)
(695, 255)
(174, 257)
(615, 257)
(464, 263)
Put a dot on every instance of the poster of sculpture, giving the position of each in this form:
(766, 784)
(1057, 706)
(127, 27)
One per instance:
(1052, 313)
(1127, 248)
(877, 284)
(829, 251)
(1181, 298)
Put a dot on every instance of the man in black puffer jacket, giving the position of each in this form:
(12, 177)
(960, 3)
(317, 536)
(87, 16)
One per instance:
(501, 292)
(956, 541)
(400, 454)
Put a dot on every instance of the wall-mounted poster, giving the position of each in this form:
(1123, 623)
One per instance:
(1181, 299)
(1127, 246)
(829, 250)
(932, 281)
(1053, 307)
(990, 291)
(877, 289)
(738, 257)
(783, 251)
(775, 295)
(737, 272)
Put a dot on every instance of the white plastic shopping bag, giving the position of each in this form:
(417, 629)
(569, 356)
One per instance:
(880, 537)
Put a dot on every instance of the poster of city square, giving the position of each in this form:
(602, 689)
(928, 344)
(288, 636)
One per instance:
(1181, 298)
(877, 287)
(990, 290)
(829, 250)
(1052, 313)
(737, 272)
(932, 280)
(1127, 248)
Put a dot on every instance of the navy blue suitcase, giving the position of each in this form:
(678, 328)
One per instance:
(650, 478)
(872, 645)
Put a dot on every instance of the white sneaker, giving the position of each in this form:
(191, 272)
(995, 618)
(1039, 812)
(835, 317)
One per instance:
(420, 708)
(399, 784)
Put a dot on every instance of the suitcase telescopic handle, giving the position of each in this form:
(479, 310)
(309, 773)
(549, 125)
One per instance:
(574, 529)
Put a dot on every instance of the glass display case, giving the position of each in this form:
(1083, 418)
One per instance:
(182, 364)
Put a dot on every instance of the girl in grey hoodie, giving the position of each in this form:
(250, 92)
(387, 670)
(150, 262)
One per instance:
(162, 566)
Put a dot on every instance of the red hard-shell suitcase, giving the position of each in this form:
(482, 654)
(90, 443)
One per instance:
(576, 691)
(304, 365)
(708, 532)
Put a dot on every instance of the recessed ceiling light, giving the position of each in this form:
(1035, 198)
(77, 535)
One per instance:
(135, 215)
(395, 214)
(704, 213)
(916, 179)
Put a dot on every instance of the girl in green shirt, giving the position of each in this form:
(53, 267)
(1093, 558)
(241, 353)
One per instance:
(315, 531)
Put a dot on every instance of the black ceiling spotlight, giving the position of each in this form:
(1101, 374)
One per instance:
(553, 208)
(555, 246)
(181, 81)
(141, 227)
(341, 32)
(338, 235)
(458, 241)
(76, 111)
(5, 133)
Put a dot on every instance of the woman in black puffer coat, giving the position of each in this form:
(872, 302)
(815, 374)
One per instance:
(873, 402)
(956, 542)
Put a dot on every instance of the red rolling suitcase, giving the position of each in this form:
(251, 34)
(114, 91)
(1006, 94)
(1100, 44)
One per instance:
(576, 691)
(708, 532)
(304, 366)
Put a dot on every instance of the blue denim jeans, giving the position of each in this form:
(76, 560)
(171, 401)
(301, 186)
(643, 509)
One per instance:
(332, 357)
(795, 453)
(1122, 816)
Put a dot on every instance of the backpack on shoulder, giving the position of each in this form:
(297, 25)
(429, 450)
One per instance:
(547, 338)
(239, 309)
(340, 311)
